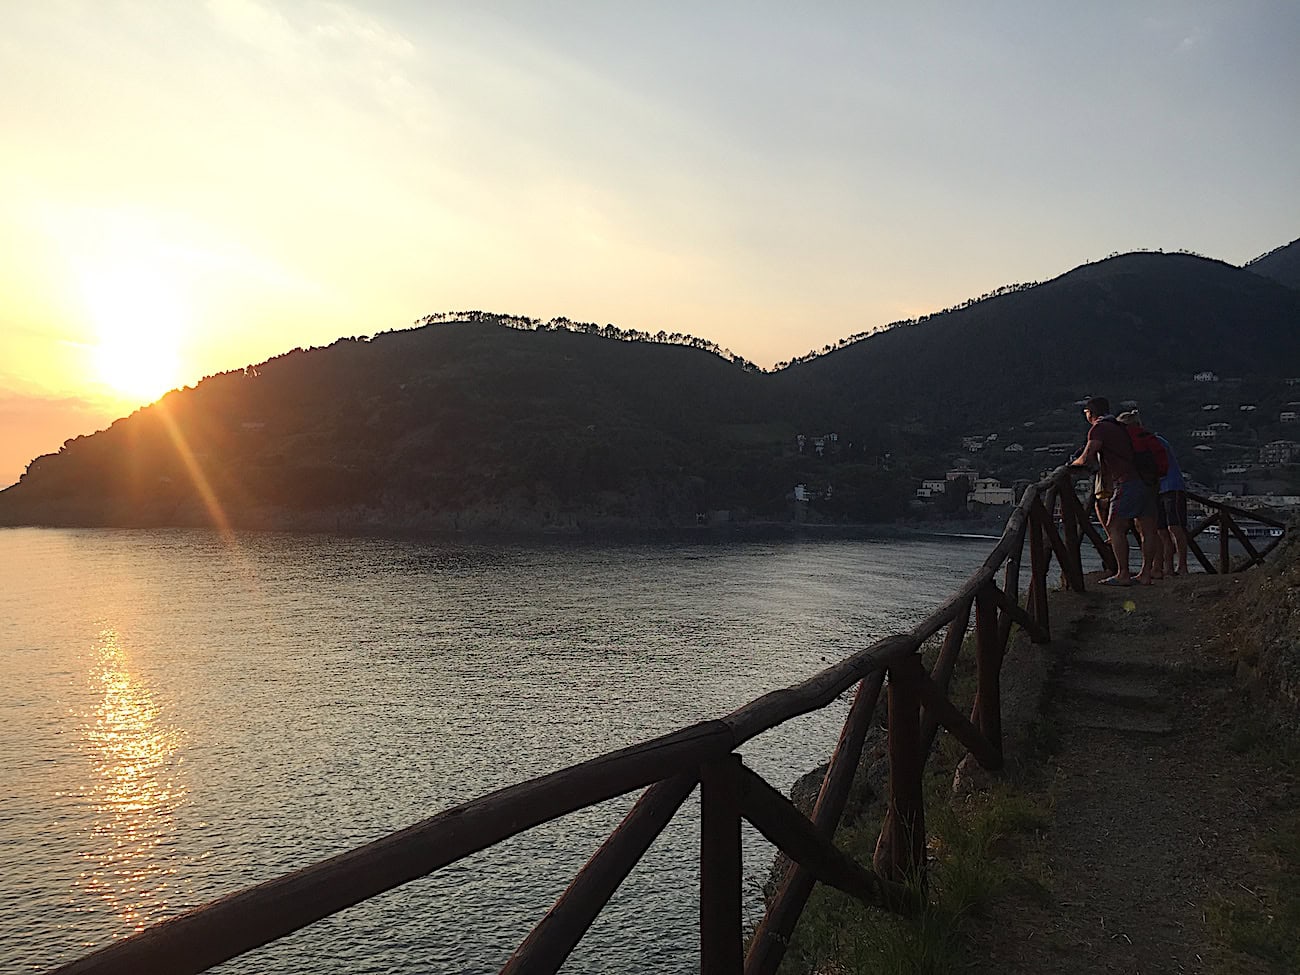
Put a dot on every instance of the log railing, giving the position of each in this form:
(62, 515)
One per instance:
(1222, 516)
(669, 768)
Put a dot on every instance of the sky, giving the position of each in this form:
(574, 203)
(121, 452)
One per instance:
(192, 187)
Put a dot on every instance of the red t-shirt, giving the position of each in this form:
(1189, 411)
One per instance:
(1116, 450)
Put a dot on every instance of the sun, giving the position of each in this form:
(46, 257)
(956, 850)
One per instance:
(139, 318)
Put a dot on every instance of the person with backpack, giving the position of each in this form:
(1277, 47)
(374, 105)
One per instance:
(1132, 499)
(1171, 511)
(1151, 462)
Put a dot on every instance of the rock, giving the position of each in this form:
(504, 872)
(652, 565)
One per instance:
(805, 789)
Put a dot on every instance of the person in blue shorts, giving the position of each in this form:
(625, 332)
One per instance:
(1132, 500)
(1171, 509)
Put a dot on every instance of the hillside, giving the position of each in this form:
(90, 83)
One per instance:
(1135, 327)
(459, 425)
(1125, 324)
(474, 425)
(1281, 264)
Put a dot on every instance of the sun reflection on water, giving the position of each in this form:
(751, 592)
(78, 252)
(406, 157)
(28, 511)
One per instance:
(135, 788)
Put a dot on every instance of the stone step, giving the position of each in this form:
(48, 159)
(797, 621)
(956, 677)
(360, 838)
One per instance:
(1093, 714)
(1133, 661)
(1120, 689)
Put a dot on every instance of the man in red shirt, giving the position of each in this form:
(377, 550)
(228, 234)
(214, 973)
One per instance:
(1131, 498)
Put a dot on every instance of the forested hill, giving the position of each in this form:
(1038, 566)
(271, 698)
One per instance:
(1126, 326)
(413, 426)
(476, 425)
(1281, 264)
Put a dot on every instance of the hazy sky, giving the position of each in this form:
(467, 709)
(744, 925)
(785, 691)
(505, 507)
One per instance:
(189, 187)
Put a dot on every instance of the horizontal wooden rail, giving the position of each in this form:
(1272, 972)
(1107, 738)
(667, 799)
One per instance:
(1221, 514)
(222, 929)
(1010, 541)
(1252, 514)
(778, 707)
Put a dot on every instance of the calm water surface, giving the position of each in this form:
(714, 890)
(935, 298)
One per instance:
(182, 717)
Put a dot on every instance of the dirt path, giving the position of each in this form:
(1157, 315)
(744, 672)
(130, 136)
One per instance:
(1155, 806)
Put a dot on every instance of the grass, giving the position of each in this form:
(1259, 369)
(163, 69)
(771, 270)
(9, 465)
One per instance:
(980, 848)
(968, 869)
(1263, 921)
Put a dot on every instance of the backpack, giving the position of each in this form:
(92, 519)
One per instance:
(1149, 454)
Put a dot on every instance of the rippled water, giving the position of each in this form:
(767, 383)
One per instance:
(183, 717)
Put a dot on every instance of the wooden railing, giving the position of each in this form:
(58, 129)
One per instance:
(1225, 517)
(668, 768)
(1222, 517)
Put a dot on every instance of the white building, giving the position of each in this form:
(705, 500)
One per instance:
(1279, 452)
(931, 487)
(989, 490)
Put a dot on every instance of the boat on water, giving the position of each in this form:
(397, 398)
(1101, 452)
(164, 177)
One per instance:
(1249, 530)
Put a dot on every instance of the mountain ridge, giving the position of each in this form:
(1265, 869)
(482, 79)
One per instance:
(527, 426)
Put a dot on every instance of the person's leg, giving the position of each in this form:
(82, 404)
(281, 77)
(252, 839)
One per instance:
(1167, 550)
(1143, 498)
(1117, 528)
(1178, 528)
(1150, 551)
(1180, 540)
(1126, 504)
(1163, 551)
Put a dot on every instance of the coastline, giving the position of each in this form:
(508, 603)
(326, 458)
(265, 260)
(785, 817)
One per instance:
(477, 521)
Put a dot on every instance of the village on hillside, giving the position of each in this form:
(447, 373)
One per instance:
(1235, 448)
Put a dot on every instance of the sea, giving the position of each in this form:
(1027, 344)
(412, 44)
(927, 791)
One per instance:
(185, 713)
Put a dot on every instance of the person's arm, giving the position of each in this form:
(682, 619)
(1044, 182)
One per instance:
(1089, 455)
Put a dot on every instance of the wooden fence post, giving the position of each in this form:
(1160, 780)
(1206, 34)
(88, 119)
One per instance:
(556, 935)
(1071, 514)
(900, 851)
(986, 714)
(773, 932)
(1240, 535)
(944, 665)
(1225, 561)
(721, 949)
(1038, 575)
(1011, 586)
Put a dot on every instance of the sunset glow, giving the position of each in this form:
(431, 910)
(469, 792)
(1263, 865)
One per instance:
(193, 188)
(136, 787)
(139, 318)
